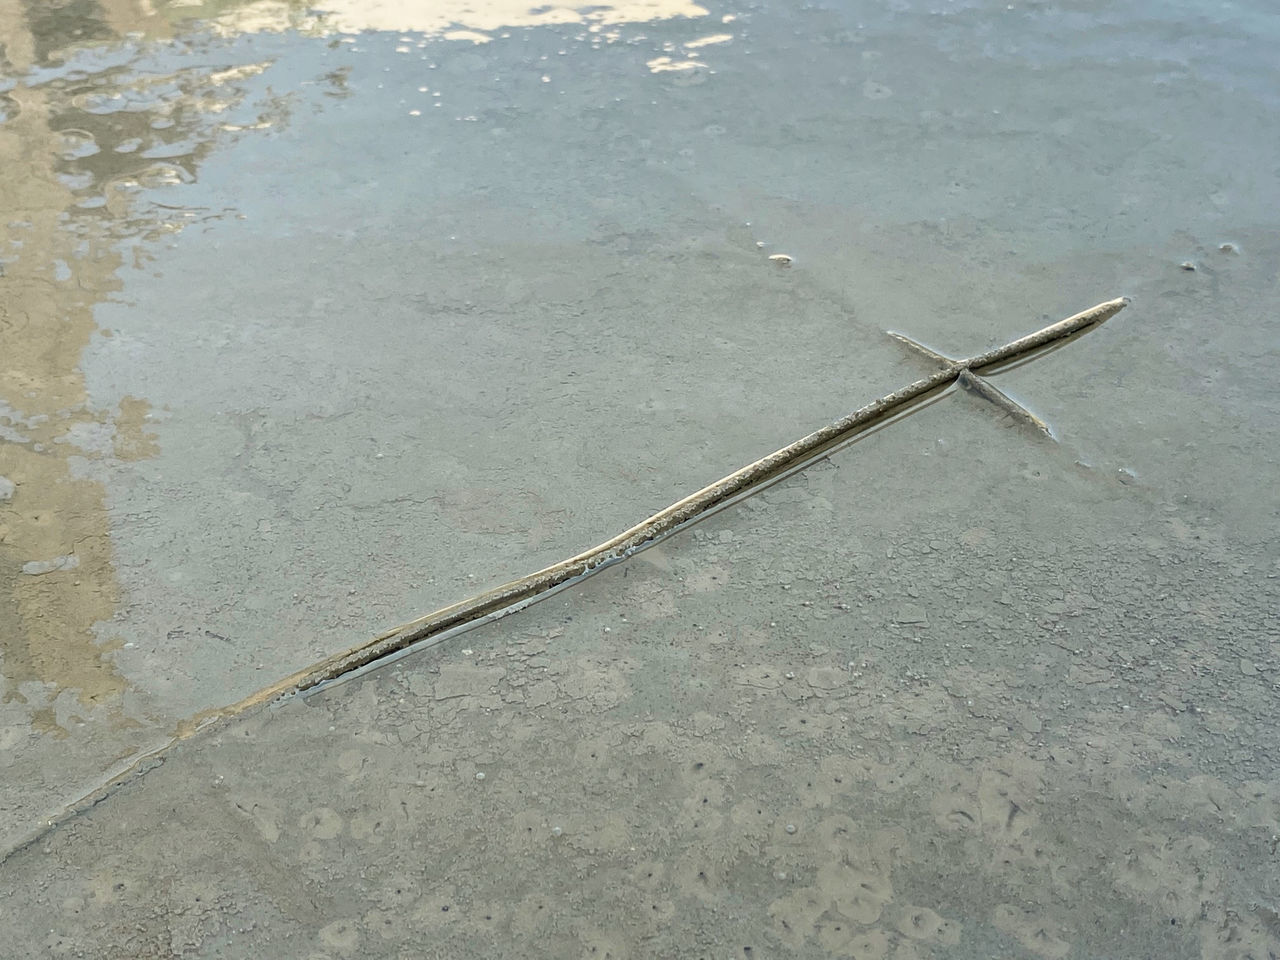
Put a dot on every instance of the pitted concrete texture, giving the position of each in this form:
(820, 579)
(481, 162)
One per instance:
(803, 728)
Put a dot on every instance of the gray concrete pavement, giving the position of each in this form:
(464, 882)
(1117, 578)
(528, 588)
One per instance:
(995, 716)
(289, 354)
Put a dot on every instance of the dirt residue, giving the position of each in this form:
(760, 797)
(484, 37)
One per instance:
(133, 441)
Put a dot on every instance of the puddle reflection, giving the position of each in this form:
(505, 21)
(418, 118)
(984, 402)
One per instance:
(93, 121)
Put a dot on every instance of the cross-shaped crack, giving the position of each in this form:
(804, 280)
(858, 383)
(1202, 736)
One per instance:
(979, 386)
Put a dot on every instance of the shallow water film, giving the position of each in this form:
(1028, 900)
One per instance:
(318, 317)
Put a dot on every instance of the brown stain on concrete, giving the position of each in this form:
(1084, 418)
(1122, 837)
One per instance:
(133, 441)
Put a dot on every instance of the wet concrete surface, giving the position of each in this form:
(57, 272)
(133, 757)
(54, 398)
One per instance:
(307, 331)
(811, 726)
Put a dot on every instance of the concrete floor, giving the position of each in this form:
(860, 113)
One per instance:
(289, 355)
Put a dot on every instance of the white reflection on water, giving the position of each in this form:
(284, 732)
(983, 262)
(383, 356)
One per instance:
(450, 19)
